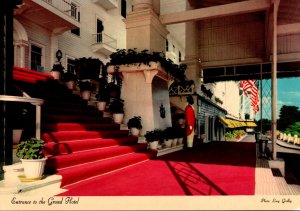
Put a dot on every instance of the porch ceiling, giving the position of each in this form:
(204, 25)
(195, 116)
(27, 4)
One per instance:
(288, 22)
(46, 15)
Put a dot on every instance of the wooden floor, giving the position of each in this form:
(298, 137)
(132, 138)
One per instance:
(271, 182)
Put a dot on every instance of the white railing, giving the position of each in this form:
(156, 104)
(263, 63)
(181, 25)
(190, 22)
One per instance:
(181, 90)
(102, 38)
(69, 8)
(27, 99)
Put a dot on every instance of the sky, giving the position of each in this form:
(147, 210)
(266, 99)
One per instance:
(288, 93)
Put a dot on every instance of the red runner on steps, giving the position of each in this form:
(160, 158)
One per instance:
(219, 168)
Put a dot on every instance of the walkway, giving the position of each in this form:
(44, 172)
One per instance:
(267, 181)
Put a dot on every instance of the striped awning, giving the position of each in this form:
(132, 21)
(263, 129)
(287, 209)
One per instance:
(232, 123)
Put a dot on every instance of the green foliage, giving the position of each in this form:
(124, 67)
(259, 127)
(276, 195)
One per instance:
(58, 67)
(228, 136)
(117, 106)
(136, 122)
(288, 115)
(234, 135)
(169, 133)
(247, 116)
(131, 56)
(293, 129)
(68, 76)
(30, 149)
(153, 135)
(86, 86)
(88, 68)
(265, 123)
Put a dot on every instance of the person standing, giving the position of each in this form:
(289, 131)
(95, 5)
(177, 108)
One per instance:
(190, 121)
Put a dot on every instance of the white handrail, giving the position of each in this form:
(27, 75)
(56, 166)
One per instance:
(34, 101)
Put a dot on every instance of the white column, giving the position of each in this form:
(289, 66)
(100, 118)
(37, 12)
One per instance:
(274, 78)
(141, 4)
(15, 54)
(22, 56)
(19, 53)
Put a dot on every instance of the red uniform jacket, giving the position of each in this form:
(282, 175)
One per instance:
(189, 119)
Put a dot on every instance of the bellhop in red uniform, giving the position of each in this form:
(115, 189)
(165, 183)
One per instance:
(190, 121)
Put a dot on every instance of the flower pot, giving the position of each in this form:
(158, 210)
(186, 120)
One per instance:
(134, 131)
(118, 118)
(101, 105)
(180, 141)
(86, 94)
(55, 74)
(168, 142)
(33, 168)
(70, 85)
(17, 133)
(153, 145)
(174, 143)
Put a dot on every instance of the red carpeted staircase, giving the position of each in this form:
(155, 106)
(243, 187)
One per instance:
(80, 142)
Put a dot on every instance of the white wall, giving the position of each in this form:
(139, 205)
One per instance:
(80, 46)
(228, 92)
(39, 36)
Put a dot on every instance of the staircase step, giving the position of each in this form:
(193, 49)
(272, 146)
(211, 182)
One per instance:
(97, 168)
(49, 118)
(83, 157)
(63, 136)
(80, 126)
(53, 148)
(71, 111)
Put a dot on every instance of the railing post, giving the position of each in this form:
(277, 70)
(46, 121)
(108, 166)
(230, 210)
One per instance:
(38, 121)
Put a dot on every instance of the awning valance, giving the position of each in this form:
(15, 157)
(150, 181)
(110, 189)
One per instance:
(232, 123)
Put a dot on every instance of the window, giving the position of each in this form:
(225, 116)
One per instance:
(76, 31)
(36, 57)
(179, 56)
(123, 8)
(100, 29)
(71, 65)
(75, 13)
(167, 45)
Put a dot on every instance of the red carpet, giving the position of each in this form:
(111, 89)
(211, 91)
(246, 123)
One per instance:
(218, 168)
(80, 142)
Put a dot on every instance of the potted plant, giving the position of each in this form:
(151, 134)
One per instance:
(70, 79)
(57, 71)
(180, 135)
(168, 135)
(86, 88)
(88, 68)
(135, 125)
(102, 98)
(117, 109)
(31, 155)
(180, 118)
(144, 57)
(153, 137)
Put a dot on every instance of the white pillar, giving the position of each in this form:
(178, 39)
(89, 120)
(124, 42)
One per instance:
(22, 55)
(19, 52)
(141, 4)
(274, 78)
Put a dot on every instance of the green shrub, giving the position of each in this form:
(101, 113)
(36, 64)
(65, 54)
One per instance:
(30, 149)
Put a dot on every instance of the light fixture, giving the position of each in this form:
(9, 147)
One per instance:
(58, 55)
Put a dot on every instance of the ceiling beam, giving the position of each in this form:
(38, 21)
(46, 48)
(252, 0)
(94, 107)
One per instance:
(293, 28)
(216, 11)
